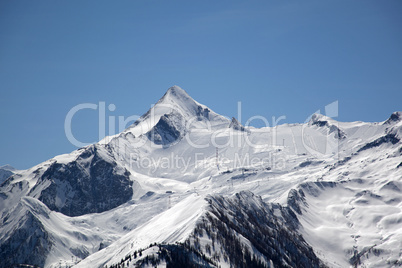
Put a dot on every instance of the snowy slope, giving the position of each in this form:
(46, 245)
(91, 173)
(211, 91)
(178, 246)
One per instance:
(225, 228)
(5, 172)
(152, 182)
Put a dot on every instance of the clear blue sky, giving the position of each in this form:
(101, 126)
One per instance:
(277, 57)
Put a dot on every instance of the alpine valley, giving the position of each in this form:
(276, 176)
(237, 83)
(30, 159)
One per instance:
(186, 187)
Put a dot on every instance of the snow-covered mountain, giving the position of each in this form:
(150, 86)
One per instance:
(5, 172)
(186, 187)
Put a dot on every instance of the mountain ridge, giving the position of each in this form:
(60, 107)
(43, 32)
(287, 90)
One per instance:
(100, 197)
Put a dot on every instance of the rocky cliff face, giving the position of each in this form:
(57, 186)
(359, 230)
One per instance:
(5, 172)
(30, 243)
(169, 129)
(90, 184)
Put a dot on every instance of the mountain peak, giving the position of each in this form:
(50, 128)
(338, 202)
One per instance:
(318, 117)
(176, 94)
(395, 117)
(176, 89)
(325, 121)
(177, 99)
(176, 103)
(7, 167)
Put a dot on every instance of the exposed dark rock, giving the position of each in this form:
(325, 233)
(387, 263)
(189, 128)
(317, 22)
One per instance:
(5, 173)
(389, 138)
(355, 259)
(169, 129)
(320, 123)
(234, 124)
(176, 256)
(309, 162)
(270, 228)
(202, 113)
(339, 134)
(295, 198)
(28, 244)
(395, 117)
(90, 184)
(305, 164)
